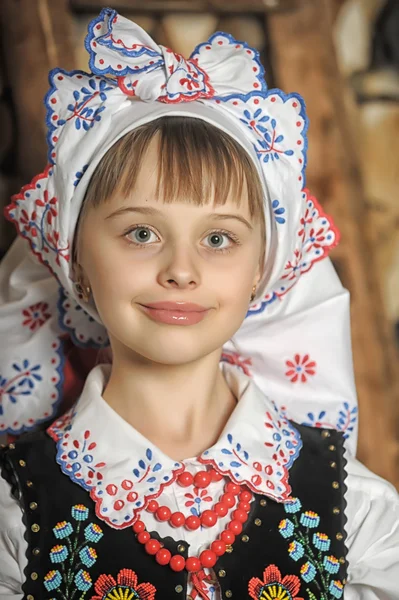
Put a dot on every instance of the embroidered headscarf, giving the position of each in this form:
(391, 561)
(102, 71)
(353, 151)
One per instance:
(295, 339)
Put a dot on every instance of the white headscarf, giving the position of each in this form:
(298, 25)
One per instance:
(295, 339)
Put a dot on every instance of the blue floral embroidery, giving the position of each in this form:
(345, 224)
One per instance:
(79, 175)
(278, 211)
(21, 384)
(347, 418)
(84, 115)
(268, 147)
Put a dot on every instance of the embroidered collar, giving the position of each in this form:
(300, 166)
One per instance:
(123, 470)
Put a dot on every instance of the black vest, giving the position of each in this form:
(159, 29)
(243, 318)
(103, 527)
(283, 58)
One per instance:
(297, 552)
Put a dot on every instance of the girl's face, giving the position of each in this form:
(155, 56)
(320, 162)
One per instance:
(170, 252)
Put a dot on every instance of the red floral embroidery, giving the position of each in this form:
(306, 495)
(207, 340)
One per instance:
(273, 586)
(36, 315)
(125, 586)
(234, 358)
(300, 367)
(200, 496)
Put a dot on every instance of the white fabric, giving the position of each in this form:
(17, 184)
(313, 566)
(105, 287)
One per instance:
(372, 508)
(295, 339)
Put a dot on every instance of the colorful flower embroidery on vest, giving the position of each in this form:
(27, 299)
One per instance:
(74, 555)
(124, 588)
(312, 547)
(274, 586)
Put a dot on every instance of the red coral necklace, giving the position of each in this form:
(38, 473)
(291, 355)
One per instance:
(233, 495)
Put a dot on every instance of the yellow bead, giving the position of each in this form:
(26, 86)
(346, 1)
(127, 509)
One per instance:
(35, 528)
(222, 573)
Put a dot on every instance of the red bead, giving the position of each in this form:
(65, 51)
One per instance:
(244, 506)
(218, 547)
(216, 476)
(177, 563)
(163, 513)
(143, 537)
(240, 515)
(193, 564)
(232, 488)
(228, 499)
(193, 522)
(185, 479)
(221, 509)
(228, 536)
(208, 558)
(163, 556)
(208, 518)
(235, 527)
(245, 496)
(152, 546)
(138, 526)
(152, 506)
(202, 479)
(177, 519)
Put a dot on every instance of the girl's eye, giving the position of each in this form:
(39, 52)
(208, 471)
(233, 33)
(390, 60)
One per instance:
(141, 235)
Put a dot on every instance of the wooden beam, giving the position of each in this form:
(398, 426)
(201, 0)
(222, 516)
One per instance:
(36, 36)
(303, 59)
(166, 6)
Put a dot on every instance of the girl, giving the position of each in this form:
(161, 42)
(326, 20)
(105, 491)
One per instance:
(172, 217)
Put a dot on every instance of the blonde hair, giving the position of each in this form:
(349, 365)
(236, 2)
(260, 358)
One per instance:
(197, 162)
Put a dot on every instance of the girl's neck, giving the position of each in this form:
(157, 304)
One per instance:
(180, 409)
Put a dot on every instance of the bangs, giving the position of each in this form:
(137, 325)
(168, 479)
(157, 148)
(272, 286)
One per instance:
(197, 163)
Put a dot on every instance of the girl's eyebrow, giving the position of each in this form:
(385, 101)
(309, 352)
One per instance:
(149, 210)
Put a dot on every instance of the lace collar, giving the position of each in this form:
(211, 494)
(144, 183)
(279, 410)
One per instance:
(123, 470)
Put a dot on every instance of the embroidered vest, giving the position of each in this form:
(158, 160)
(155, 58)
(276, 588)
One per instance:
(289, 551)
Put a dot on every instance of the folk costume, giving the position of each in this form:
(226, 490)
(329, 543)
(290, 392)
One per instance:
(264, 512)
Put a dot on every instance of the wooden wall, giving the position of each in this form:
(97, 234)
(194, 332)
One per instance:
(351, 166)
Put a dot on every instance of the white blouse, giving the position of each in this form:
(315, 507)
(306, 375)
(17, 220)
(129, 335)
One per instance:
(372, 503)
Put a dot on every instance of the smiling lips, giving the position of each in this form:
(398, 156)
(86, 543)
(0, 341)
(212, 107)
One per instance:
(175, 313)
